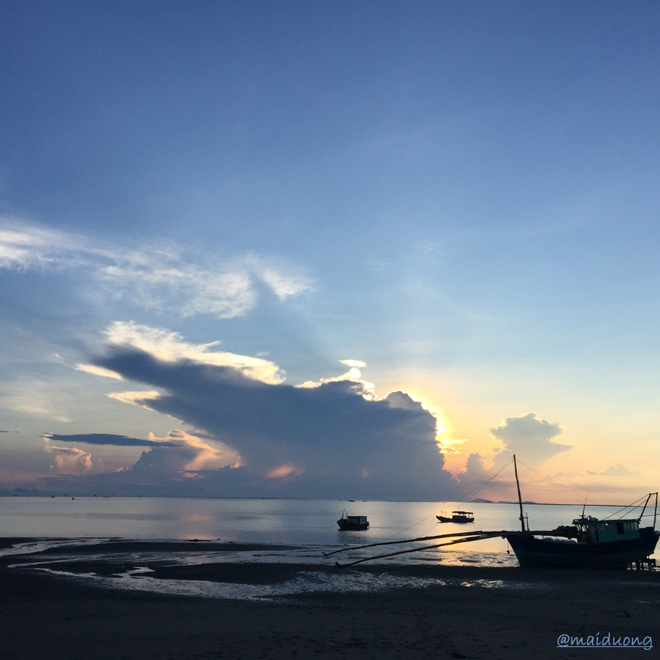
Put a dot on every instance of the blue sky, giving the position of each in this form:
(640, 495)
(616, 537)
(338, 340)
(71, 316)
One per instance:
(301, 235)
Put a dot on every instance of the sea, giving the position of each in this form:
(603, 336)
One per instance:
(289, 530)
(294, 522)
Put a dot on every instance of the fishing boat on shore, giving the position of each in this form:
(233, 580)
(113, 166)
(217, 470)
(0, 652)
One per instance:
(461, 517)
(588, 543)
(352, 523)
(599, 544)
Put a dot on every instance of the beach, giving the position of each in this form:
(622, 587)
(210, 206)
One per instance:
(421, 612)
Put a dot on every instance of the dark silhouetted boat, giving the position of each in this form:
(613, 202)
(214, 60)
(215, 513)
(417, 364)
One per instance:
(461, 517)
(353, 523)
(588, 543)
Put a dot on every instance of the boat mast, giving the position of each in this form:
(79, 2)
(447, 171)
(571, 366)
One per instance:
(522, 517)
(655, 511)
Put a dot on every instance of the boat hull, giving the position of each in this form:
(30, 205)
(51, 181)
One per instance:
(534, 551)
(350, 526)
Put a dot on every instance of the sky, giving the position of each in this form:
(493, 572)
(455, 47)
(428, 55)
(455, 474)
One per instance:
(330, 249)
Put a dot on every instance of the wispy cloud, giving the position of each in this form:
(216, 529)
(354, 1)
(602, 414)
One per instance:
(36, 397)
(107, 439)
(163, 278)
(97, 371)
(619, 470)
(169, 346)
(24, 246)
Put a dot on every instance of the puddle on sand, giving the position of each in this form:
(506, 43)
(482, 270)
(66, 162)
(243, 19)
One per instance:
(132, 570)
(313, 582)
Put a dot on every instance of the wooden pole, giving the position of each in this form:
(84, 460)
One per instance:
(522, 517)
(421, 538)
(486, 535)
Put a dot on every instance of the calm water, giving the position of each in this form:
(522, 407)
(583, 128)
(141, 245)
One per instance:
(296, 531)
(295, 522)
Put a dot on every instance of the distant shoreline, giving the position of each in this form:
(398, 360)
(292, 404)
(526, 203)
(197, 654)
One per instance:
(37, 494)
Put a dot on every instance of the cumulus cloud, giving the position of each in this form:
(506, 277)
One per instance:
(69, 460)
(169, 466)
(478, 480)
(182, 456)
(332, 438)
(475, 470)
(161, 278)
(530, 437)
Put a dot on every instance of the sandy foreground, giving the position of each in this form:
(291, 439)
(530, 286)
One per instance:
(472, 613)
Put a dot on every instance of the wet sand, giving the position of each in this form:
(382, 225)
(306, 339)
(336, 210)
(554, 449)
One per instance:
(477, 613)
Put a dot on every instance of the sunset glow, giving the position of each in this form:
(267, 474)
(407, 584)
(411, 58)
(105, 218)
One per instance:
(318, 250)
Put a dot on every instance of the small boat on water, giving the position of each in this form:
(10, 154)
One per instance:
(353, 523)
(588, 543)
(457, 517)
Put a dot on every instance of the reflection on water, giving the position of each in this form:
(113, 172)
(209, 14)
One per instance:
(295, 522)
(312, 583)
(309, 571)
(259, 571)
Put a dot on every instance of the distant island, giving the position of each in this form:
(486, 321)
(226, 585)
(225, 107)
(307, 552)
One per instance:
(481, 500)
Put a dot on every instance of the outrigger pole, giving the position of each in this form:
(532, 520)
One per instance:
(421, 538)
(484, 535)
(463, 537)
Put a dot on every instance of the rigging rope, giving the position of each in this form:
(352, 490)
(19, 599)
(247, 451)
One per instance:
(470, 494)
(566, 489)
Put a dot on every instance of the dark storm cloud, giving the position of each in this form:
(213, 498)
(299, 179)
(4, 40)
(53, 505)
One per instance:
(108, 439)
(326, 440)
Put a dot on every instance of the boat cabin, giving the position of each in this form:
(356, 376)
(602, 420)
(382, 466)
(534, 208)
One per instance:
(592, 530)
(353, 523)
(457, 517)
